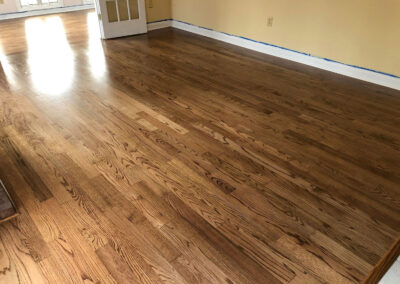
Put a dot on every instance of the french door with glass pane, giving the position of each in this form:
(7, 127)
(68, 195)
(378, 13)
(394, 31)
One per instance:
(119, 18)
(28, 5)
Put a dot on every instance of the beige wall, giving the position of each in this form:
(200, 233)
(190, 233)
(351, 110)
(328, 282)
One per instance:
(8, 6)
(161, 10)
(365, 33)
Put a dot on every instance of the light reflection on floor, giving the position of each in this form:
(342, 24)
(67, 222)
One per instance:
(6, 67)
(95, 51)
(50, 60)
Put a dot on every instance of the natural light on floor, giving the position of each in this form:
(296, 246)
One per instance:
(95, 51)
(50, 57)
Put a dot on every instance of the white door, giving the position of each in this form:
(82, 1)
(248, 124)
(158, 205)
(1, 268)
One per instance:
(121, 17)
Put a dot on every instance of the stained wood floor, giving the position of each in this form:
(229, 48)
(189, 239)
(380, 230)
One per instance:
(169, 157)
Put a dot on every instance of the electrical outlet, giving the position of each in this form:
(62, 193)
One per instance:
(150, 3)
(270, 21)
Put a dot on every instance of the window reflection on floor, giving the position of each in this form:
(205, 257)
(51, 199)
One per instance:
(6, 68)
(95, 51)
(50, 58)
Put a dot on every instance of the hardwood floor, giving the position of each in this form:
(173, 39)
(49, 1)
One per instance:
(169, 157)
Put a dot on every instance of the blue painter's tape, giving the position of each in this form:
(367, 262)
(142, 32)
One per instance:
(165, 20)
(287, 49)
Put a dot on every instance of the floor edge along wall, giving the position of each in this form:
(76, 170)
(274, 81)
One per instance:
(372, 76)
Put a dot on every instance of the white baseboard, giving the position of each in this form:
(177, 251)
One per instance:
(45, 11)
(159, 25)
(386, 80)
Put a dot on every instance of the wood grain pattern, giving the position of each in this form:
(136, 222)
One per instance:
(170, 157)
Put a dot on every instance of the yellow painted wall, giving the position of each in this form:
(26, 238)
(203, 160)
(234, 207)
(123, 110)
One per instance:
(7, 6)
(161, 10)
(365, 33)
